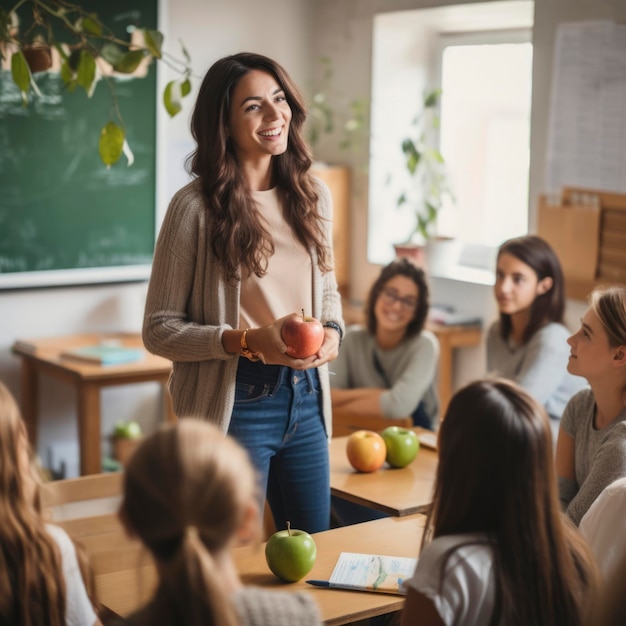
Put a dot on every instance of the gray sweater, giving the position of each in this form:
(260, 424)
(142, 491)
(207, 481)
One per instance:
(599, 455)
(189, 306)
(410, 368)
(539, 366)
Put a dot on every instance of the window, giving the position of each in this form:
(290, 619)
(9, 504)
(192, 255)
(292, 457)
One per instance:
(480, 54)
(485, 136)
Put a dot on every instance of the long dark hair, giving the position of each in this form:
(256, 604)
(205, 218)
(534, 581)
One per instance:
(401, 267)
(237, 235)
(549, 306)
(496, 476)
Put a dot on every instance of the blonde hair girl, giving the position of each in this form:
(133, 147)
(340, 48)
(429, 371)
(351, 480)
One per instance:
(190, 496)
(40, 581)
(591, 447)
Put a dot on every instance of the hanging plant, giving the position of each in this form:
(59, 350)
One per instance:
(88, 50)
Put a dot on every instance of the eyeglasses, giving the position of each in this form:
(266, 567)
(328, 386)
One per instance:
(391, 296)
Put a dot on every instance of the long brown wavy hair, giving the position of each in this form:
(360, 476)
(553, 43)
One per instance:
(496, 476)
(236, 233)
(186, 492)
(32, 588)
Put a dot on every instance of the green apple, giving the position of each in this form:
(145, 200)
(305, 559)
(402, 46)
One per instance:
(290, 554)
(402, 445)
(127, 430)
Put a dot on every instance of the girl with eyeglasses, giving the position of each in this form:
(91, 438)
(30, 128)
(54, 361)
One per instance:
(387, 369)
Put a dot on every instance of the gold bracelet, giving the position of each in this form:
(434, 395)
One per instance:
(245, 351)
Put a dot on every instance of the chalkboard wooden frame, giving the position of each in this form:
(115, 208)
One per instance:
(120, 247)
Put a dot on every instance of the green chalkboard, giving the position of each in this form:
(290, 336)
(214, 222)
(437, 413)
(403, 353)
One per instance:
(64, 217)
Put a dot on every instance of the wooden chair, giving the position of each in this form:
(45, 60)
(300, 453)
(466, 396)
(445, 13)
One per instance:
(345, 423)
(86, 508)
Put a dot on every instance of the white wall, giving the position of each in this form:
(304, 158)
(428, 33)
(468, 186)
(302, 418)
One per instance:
(210, 30)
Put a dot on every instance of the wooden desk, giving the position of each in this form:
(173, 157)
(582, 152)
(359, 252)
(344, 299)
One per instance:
(126, 577)
(392, 536)
(398, 492)
(42, 356)
(450, 338)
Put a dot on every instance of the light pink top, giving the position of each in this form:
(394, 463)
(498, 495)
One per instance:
(287, 287)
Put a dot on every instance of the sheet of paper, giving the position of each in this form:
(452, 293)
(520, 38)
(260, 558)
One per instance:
(587, 128)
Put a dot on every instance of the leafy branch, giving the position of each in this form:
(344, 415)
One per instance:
(88, 51)
(426, 166)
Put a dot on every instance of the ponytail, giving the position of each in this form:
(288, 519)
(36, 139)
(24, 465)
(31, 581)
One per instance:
(192, 586)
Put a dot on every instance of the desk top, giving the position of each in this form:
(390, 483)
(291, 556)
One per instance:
(126, 577)
(398, 492)
(391, 536)
(46, 353)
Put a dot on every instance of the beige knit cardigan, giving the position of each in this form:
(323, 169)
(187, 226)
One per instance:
(189, 306)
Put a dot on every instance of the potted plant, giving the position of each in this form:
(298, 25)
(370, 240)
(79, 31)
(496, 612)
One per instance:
(428, 187)
(33, 33)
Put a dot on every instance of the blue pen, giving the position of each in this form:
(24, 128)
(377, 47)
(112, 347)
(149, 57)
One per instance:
(319, 583)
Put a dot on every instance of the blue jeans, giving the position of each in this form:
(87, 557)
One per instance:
(277, 417)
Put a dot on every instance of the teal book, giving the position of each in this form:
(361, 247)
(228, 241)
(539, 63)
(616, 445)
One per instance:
(104, 354)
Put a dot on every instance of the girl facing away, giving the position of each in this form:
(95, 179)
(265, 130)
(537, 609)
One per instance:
(40, 578)
(591, 447)
(501, 551)
(387, 369)
(528, 343)
(190, 497)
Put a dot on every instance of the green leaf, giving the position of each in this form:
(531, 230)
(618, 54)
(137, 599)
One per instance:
(401, 200)
(154, 41)
(64, 56)
(185, 87)
(431, 99)
(20, 74)
(111, 143)
(111, 53)
(129, 62)
(172, 97)
(86, 72)
(91, 25)
(412, 162)
(74, 60)
(68, 76)
(185, 53)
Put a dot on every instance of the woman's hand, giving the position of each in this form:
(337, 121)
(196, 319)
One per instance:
(268, 341)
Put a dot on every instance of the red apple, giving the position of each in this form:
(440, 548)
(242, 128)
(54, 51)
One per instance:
(303, 335)
(366, 450)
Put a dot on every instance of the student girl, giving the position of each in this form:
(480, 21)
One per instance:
(40, 579)
(242, 248)
(387, 369)
(501, 551)
(528, 344)
(591, 447)
(190, 497)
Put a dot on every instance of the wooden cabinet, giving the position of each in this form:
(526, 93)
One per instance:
(338, 179)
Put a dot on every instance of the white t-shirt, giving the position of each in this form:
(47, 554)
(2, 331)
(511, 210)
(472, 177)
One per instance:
(78, 608)
(456, 573)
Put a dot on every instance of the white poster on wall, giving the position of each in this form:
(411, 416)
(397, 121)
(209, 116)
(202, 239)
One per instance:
(587, 129)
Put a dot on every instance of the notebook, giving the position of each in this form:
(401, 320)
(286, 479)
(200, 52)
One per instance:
(372, 572)
(104, 354)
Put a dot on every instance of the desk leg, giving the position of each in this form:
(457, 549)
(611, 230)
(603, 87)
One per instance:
(89, 428)
(167, 404)
(30, 399)
(445, 374)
